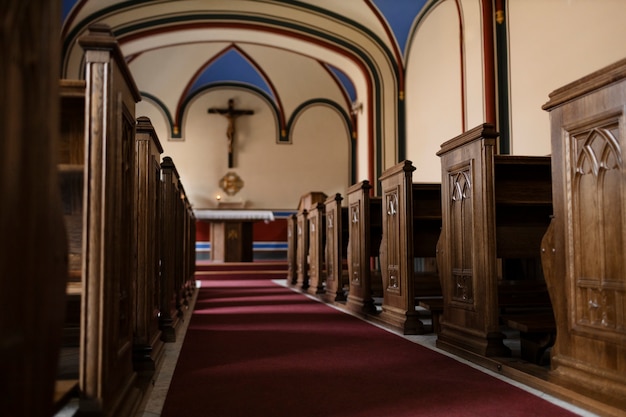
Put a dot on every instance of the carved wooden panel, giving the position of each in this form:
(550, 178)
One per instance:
(355, 243)
(461, 227)
(598, 208)
(292, 233)
(330, 247)
(313, 239)
(584, 248)
(334, 249)
(302, 248)
(317, 237)
(126, 223)
(392, 218)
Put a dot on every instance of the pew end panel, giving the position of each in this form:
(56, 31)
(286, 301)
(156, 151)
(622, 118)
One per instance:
(108, 269)
(336, 248)
(316, 219)
(583, 250)
(467, 245)
(302, 250)
(292, 233)
(147, 343)
(365, 230)
(397, 249)
(307, 202)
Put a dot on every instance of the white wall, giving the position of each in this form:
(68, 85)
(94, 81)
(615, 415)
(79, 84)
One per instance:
(316, 158)
(433, 90)
(554, 42)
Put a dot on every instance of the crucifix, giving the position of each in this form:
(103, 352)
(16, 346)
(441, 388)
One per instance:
(231, 114)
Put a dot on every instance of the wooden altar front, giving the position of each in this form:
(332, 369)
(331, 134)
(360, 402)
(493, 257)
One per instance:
(231, 232)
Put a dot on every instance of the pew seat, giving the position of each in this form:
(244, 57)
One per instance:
(525, 306)
(435, 306)
(537, 333)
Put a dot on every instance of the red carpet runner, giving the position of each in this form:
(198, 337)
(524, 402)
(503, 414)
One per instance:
(254, 348)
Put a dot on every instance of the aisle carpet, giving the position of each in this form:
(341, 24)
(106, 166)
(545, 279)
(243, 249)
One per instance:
(255, 348)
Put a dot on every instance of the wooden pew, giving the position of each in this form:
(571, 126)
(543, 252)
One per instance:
(171, 304)
(147, 343)
(316, 219)
(189, 252)
(108, 269)
(583, 250)
(493, 207)
(71, 179)
(411, 228)
(292, 241)
(336, 249)
(365, 231)
(33, 251)
(307, 202)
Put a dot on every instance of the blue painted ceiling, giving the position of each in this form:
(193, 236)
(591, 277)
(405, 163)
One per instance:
(233, 68)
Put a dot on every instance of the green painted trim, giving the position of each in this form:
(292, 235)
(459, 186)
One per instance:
(502, 65)
(232, 85)
(372, 67)
(163, 107)
(342, 112)
(79, 26)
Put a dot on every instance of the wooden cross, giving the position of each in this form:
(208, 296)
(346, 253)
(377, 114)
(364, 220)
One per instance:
(231, 114)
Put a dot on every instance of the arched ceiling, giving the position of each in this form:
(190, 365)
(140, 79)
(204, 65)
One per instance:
(177, 48)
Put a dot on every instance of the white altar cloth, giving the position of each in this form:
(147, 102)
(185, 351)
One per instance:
(224, 215)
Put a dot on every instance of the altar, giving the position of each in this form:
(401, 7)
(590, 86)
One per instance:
(231, 232)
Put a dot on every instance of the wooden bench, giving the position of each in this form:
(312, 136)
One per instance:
(435, 306)
(121, 284)
(365, 232)
(316, 258)
(98, 143)
(537, 333)
(495, 210)
(292, 241)
(147, 338)
(306, 203)
(411, 228)
(336, 249)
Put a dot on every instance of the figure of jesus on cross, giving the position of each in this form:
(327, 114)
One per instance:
(231, 114)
